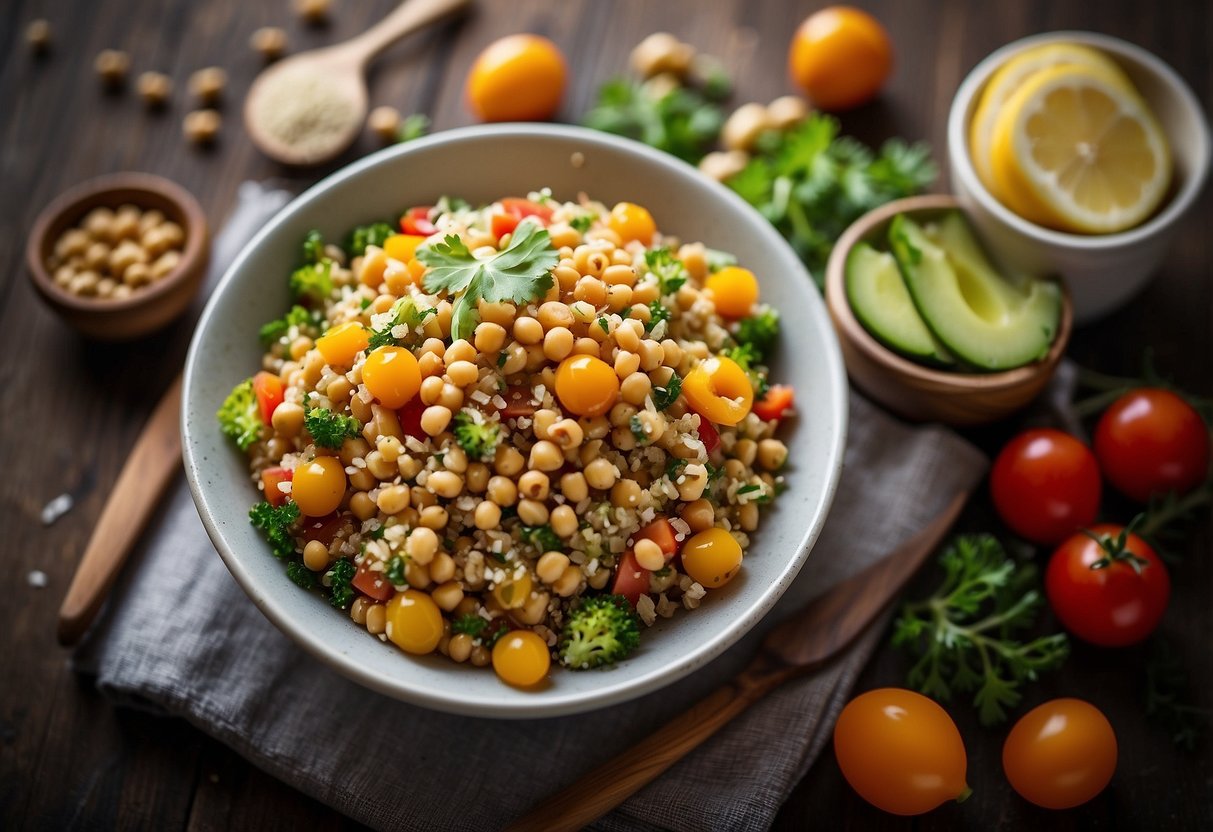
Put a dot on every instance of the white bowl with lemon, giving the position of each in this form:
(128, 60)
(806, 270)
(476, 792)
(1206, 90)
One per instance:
(1076, 154)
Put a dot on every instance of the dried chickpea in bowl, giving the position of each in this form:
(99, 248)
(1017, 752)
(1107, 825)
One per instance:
(517, 434)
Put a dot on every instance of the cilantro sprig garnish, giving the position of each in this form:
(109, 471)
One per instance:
(668, 270)
(520, 274)
(963, 635)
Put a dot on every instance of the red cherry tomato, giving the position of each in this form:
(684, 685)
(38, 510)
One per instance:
(1106, 593)
(270, 478)
(373, 584)
(900, 751)
(1060, 754)
(708, 435)
(268, 389)
(631, 579)
(323, 528)
(1151, 441)
(410, 418)
(513, 211)
(1045, 485)
(417, 221)
(777, 401)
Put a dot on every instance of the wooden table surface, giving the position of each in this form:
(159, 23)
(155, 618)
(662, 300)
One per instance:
(72, 409)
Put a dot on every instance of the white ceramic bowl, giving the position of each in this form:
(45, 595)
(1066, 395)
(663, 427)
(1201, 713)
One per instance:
(482, 164)
(1102, 271)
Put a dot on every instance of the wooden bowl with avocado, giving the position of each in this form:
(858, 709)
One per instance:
(930, 327)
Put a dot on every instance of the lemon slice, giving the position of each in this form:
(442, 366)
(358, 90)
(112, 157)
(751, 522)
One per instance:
(1073, 150)
(1010, 77)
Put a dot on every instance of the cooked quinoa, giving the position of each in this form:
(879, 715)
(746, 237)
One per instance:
(466, 431)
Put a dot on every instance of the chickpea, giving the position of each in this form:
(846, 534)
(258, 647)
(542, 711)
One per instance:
(352, 449)
(596, 427)
(112, 66)
(476, 477)
(747, 515)
(442, 567)
(444, 483)
(502, 491)
(207, 84)
(447, 596)
(362, 506)
(480, 656)
(535, 609)
(625, 493)
(590, 290)
(516, 358)
(269, 41)
(532, 512)
(165, 264)
(694, 480)
(154, 88)
(434, 419)
(507, 461)
(635, 389)
(724, 164)
(409, 467)
(574, 487)
(433, 517)
(288, 419)
(661, 53)
(545, 456)
(459, 350)
(487, 515)
(462, 373)
(393, 499)
(451, 397)
(384, 122)
(376, 619)
(619, 297)
(557, 344)
(542, 422)
(601, 474)
(743, 127)
(699, 515)
(772, 454)
(621, 414)
(455, 459)
(501, 314)
(626, 363)
(586, 346)
(84, 283)
(358, 609)
(534, 485)
(787, 111)
(649, 555)
(527, 331)
(568, 582)
(416, 575)
(202, 126)
(566, 434)
(489, 337)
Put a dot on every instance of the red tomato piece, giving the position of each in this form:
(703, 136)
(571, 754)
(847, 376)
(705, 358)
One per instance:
(1045, 485)
(502, 224)
(518, 403)
(269, 391)
(372, 584)
(662, 533)
(777, 401)
(410, 418)
(708, 434)
(270, 478)
(323, 528)
(520, 208)
(1151, 441)
(631, 579)
(1106, 593)
(417, 221)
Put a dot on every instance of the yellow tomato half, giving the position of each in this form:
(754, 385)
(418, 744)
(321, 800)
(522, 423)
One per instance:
(719, 390)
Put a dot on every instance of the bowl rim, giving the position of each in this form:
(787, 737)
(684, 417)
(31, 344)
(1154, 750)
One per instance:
(962, 164)
(873, 350)
(67, 202)
(541, 705)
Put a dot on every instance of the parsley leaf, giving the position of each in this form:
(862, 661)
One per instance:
(275, 522)
(340, 577)
(404, 312)
(638, 432)
(663, 397)
(746, 357)
(682, 121)
(300, 575)
(308, 322)
(470, 624)
(758, 332)
(520, 274)
(413, 127)
(542, 538)
(582, 222)
(329, 429)
(667, 268)
(658, 312)
(394, 571)
(962, 634)
(604, 325)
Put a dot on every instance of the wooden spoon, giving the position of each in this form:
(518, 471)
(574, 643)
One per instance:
(143, 481)
(289, 130)
(800, 644)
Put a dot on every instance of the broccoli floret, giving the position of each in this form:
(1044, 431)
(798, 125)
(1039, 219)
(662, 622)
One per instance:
(759, 331)
(368, 235)
(240, 416)
(329, 429)
(313, 247)
(307, 321)
(477, 437)
(603, 630)
(404, 312)
(313, 283)
(275, 523)
(340, 577)
(667, 268)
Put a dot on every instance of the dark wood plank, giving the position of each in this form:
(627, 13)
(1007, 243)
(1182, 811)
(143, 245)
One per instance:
(68, 760)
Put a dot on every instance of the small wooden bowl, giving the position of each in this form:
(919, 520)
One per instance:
(147, 309)
(913, 390)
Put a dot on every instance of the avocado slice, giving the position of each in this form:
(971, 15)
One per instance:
(879, 298)
(977, 314)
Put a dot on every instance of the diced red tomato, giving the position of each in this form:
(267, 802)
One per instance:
(778, 400)
(502, 224)
(410, 418)
(518, 403)
(631, 579)
(323, 528)
(520, 208)
(707, 432)
(268, 388)
(372, 584)
(662, 533)
(417, 221)
(270, 478)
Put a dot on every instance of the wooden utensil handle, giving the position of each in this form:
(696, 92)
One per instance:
(152, 462)
(407, 18)
(614, 781)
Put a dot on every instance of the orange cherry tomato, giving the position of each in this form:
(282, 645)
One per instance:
(402, 247)
(414, 622)
(632, 222)
(712, 557)
(521, 658)
(517, 78)
(734, 291)
(586, 386)
(318, 486)
(271, 478)
(900, 751)
(392, 376)
(1060, 754)
(840, 57)
(719, 390)
(341, 343)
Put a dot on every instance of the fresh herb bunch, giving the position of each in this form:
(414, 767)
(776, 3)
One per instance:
(520, 274)
(811, 183)
(683, 121)
(543, 538)
(963, 635)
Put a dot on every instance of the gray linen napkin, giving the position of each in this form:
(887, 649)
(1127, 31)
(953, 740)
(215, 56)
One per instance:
(180, 638)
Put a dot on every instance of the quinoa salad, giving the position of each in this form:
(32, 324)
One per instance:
(514, 434)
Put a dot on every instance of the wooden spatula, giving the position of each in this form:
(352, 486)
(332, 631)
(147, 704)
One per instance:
(797, 646)
(148, 470)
